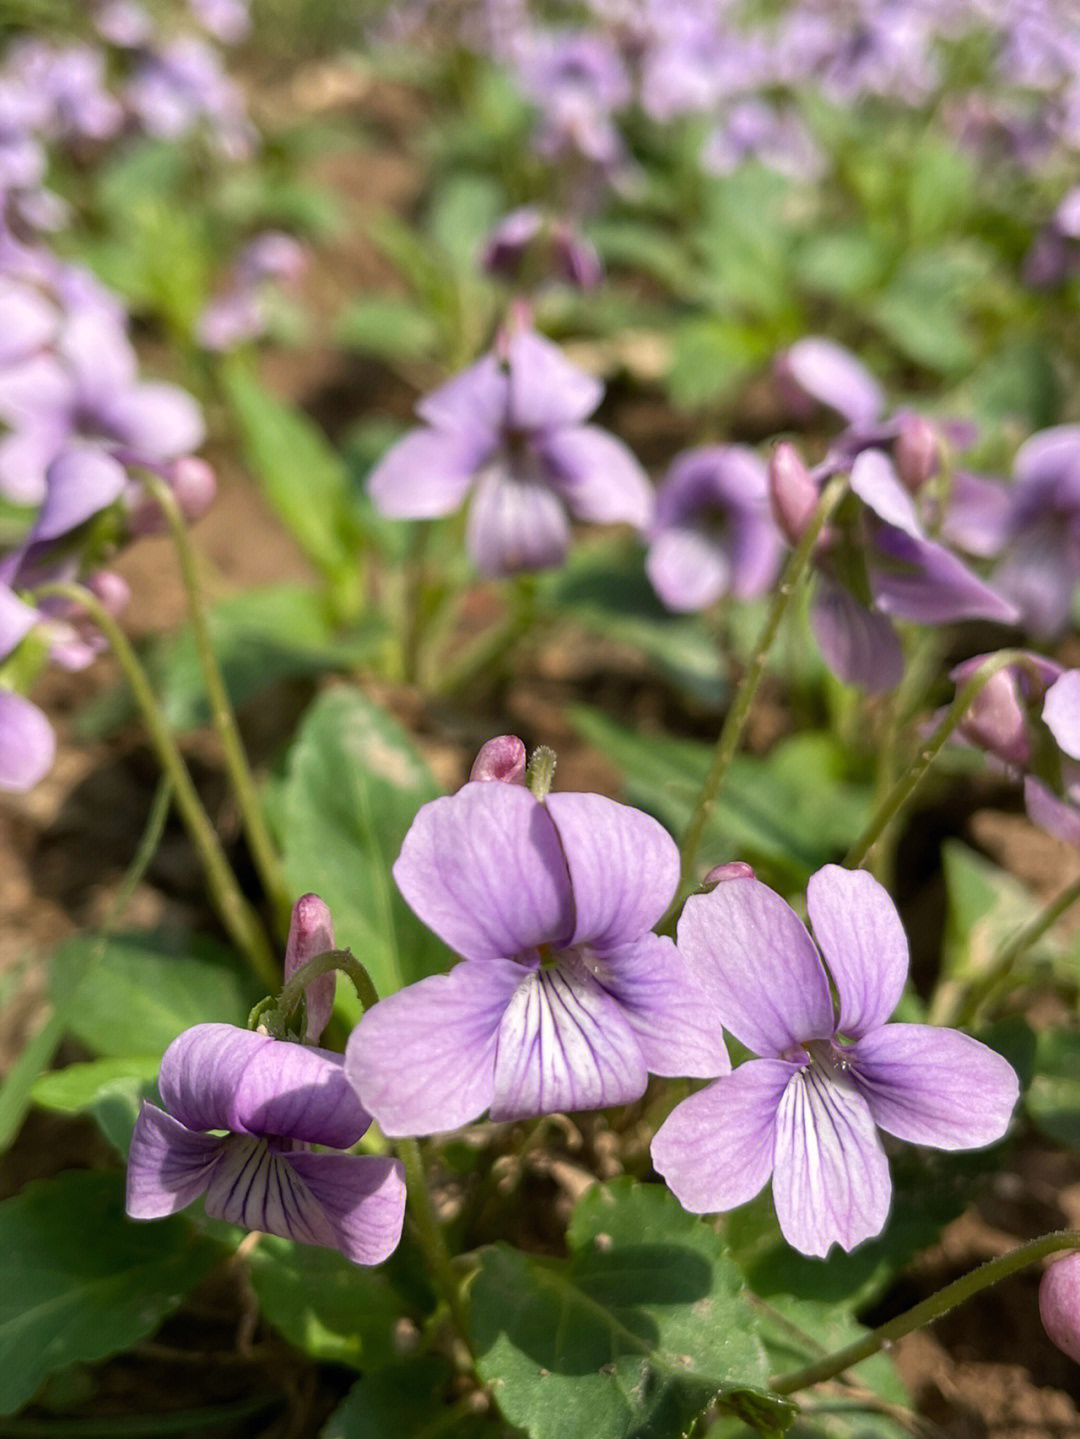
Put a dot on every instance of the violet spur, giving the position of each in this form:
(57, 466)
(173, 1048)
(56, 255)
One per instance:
(565, 1000)
(807, 1110)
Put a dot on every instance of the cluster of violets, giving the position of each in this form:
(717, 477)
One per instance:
(565, 999)
(725, 61)
(917, 538)
(135, 78)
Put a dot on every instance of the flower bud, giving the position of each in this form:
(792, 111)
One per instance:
(1059, 1304)
(311, 932)
(792, 492)
(501, 759)
(194, 484)
(917, 452)
(734, 869)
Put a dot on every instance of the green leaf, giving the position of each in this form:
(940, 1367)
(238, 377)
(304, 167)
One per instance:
(632, 1337)
(111, 1091)
(302, 475)
(710, 357)
(326, 1306)
(81, 1281)
(792, 810)
(354, 784)
(410, 1400)
(259, 637)
(1053, 1100)
(848, 264)
(387, 327)
(144, 988)
(1016, 382)
(463, 214)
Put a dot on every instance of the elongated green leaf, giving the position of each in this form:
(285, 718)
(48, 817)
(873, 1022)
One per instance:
(792, 809)
(301, 474)
(82, 1281)
(325, 1305)
(354, 784)
(388, 327)
(143, 989)
(632, 1337)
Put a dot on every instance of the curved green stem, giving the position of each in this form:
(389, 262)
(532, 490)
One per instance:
(333, 959)
(992, 1272)
(902, 791)
(237, 915)
(1003, 965)
(264, 852)
(431, 1238)
(490, 648)
(735, 723)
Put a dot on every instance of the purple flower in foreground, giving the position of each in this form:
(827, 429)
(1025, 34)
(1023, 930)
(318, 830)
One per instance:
(513, 431)
(1059, 1304)
(713, 533)
(275, 1099)
(565, 1000)
(806, 1112)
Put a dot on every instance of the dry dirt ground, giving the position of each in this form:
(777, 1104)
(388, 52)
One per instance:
(985, 1372)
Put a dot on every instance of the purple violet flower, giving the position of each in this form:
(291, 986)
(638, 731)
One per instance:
(527, 236)
(565, 999)
(713, 534)
(27, 743)
(512, 431)
(1042, 559)
(275, 1099)
(806, 1112)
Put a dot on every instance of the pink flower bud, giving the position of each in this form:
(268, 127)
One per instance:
(194, 484)
(734, 869)
(792, 492)
(311, 932)
(501, 759)
(917, 452)
(112, 590)
(1059, 1304)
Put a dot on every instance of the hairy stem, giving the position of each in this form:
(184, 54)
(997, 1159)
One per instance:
(992, 1272)
(431, 1238)
(333, 959)
(236, 914)
(735, 723)
(264, 852)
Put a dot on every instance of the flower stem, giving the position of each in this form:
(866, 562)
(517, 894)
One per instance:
(431, 1238)
(237, 915)
(333, 959)
(903, 789)
(964, 1288)
(735, 723)
(263, 850)
(990, 984)
(488, 651)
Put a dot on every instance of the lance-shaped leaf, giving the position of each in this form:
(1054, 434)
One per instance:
(632, 1337)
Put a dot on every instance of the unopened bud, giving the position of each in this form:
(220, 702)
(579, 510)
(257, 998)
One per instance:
(917, 452)
(1059, 1304)
(311, 932)
(793, 494)
(734, 869)
(502, 759)
(111, 589)
(194, 484)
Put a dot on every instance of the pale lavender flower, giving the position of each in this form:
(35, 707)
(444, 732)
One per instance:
(239, 312)
(752, 129)
(565, 1000)
(820, 370)
(512, 431)
(27, 742)
(1059, 1304)
(578, 81)
(528, 236)
(713, 534)
(806, 1111)
(1042, 560)
(226, 20)
(311, 933)
(274, 1099)
(181, 86)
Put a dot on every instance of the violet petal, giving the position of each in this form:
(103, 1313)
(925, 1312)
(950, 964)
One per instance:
(27, 743)
(169, 1166)
(863, 943)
